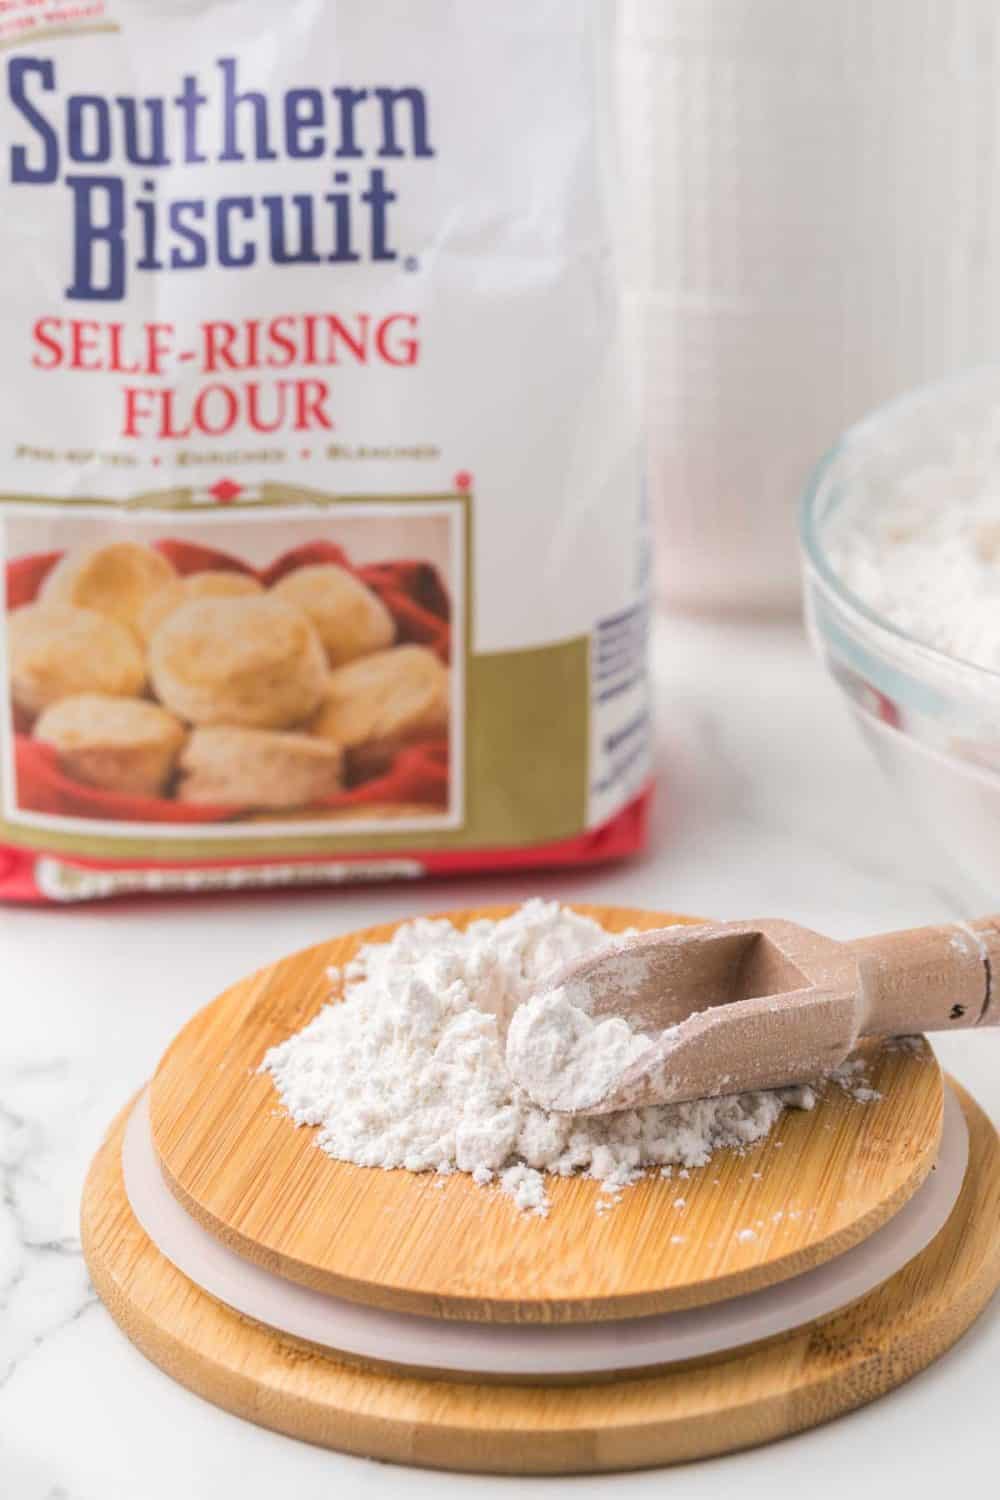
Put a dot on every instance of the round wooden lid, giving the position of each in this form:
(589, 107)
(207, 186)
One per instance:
(818, 1372)
(820, 1183)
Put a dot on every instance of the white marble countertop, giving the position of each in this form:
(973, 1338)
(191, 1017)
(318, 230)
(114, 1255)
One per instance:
(768, 805)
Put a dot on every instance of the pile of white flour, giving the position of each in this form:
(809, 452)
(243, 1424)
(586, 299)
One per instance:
(409, 1068)
(564, 1058)
(929, 560)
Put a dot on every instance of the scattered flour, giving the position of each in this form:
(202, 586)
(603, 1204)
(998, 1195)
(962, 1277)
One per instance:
(928, 559)
(800, 1096)
(850, 1076)
(409, 1069)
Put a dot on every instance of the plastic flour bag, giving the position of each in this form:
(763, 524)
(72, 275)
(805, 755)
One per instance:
(322, 527)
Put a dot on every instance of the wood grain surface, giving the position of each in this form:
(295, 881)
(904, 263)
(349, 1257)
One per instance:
(821, 1183)
(820, 1372)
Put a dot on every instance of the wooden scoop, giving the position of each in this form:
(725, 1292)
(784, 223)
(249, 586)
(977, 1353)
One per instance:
(735, 1006)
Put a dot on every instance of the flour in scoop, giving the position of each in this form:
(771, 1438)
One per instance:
(408, 1069)
(567, 1060)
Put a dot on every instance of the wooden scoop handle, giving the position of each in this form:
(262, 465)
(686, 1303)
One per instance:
(930, 978)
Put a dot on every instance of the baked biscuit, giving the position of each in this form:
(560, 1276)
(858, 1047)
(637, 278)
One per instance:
(214, 583)
(256, 662)
(116, 579)
(258, 768)
(351, 620)
(124, 745)
(57, 650)
(375, 706)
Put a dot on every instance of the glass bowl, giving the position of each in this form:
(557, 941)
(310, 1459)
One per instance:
(932, 719)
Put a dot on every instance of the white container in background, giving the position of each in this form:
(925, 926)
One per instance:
(815, 194)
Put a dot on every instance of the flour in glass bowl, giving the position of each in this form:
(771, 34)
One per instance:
(928, 559)
(408, 1070)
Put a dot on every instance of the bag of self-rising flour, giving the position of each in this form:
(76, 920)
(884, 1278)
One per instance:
(322, 528)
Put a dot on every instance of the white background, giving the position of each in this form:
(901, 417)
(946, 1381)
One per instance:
(817, 227)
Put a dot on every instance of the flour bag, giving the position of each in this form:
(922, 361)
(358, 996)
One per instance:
(323, 533)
